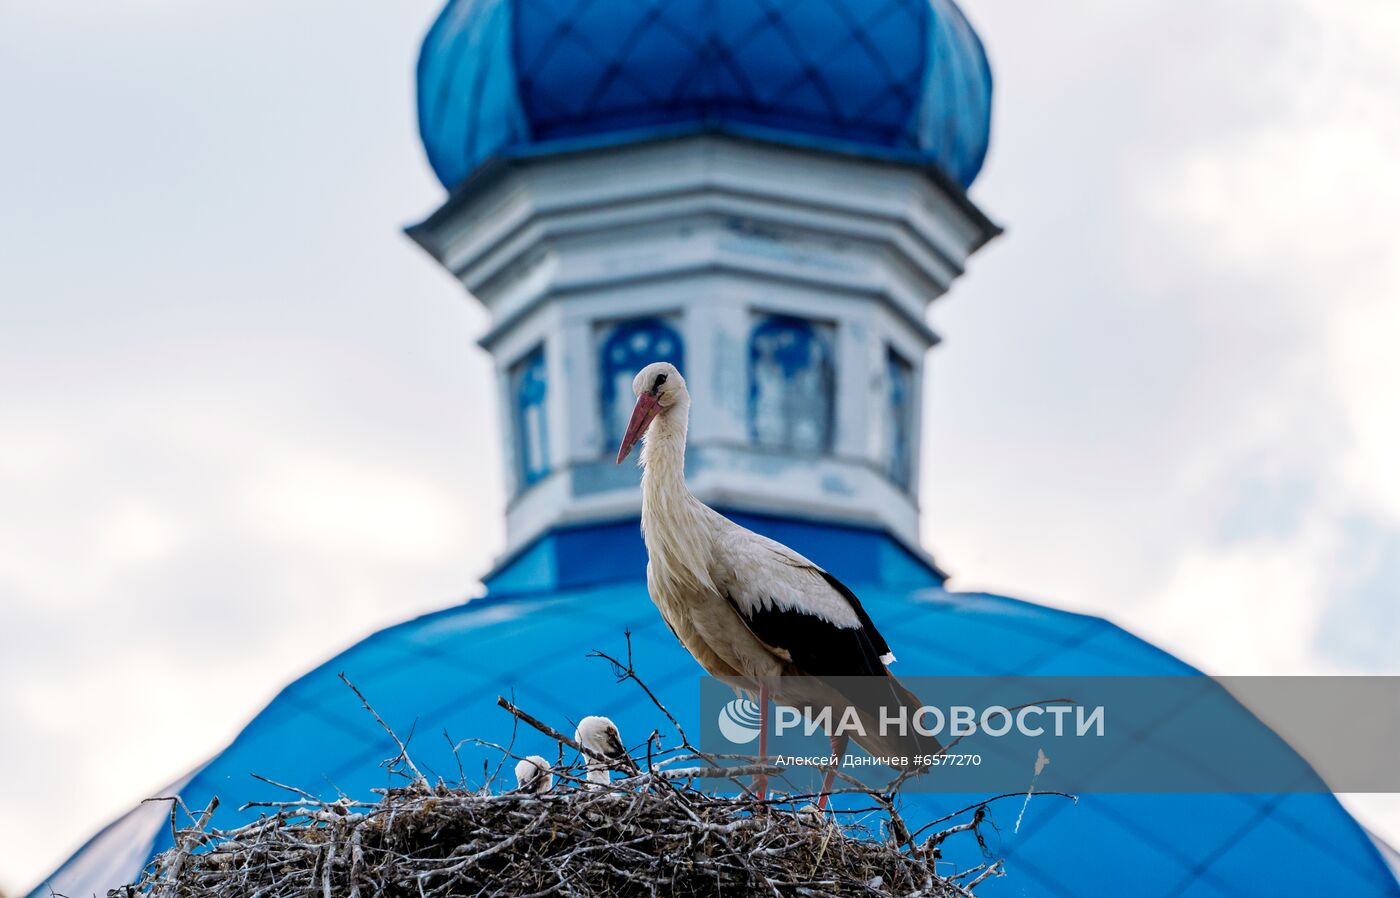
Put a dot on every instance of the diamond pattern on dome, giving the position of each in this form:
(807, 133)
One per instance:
(809, 64)
(894, 77)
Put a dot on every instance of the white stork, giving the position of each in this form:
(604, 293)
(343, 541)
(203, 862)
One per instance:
(533, 775)
(753, 612)
(600, 736)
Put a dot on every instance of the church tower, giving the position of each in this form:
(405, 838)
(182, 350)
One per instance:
(773, 226)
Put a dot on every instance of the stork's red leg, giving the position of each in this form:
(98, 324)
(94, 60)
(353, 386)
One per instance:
(838, 751)
(760, 782)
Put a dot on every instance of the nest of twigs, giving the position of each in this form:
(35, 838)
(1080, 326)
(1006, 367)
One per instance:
(650, 831)
(606, 842)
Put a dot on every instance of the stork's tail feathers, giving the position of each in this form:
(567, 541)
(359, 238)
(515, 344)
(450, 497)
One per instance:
(886, 708)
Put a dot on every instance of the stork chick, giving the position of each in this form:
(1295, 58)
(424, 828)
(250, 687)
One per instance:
(601, 737)
(751, 611)
(533, 775)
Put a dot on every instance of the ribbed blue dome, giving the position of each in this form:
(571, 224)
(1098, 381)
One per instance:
(902, 78)
(579, 589)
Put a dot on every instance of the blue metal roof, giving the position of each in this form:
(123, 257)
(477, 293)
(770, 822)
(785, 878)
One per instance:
(901, 78)
(578, 590)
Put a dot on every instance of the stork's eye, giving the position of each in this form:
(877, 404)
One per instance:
(656, 387)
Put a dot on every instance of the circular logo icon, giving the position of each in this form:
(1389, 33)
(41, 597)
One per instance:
(739, 721)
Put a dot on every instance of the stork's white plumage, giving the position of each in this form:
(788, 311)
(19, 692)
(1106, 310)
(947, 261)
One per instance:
(601, 737)
(534, 775)
(752, 612)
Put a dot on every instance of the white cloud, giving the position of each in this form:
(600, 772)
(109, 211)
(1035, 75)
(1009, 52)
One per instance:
(1308, 206)
(360, 508)
(1230, 260)
(158, 557)
(1168, 395)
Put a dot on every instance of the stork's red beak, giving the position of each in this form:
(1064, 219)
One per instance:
(646, 408)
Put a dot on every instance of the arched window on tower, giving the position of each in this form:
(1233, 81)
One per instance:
(792, 382)
(528, 390)
(899, 420)
(630, 347)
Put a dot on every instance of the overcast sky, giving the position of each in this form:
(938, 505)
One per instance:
(243, 416)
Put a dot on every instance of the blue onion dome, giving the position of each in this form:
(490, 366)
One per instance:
(906, 79)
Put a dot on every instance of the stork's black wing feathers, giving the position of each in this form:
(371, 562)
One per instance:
(848, 658)
(816, 646)
(881, 647)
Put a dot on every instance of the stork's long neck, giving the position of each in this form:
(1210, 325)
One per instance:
(598, 775)
(674, 523)
(663, 461)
